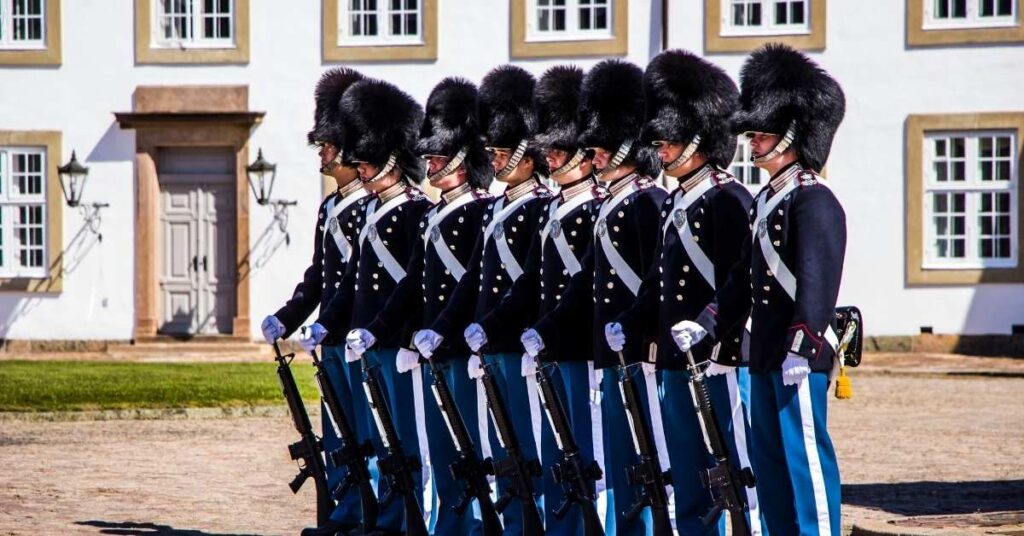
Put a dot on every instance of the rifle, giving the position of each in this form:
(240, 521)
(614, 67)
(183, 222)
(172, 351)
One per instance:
(515, 467)
(308, 447)
(723, 480)
(576, 477)
(647, 473)
(351, 454)
(468, 468)
(398, 468)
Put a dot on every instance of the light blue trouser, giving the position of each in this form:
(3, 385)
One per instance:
(792, 454)
(399, 393)
(620, 454)
(446, 489)
(687, 450)
(507, 370)
(349, 509)
(571, 381)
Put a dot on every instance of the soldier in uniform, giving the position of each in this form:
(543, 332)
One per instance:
(703, 229)
(338, 226)
(508, 227)
(611, 116)
(387, 120)
(450, 142)
(790, 271)
(563, 234)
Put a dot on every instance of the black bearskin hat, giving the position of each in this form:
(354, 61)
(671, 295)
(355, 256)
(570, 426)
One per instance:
(386, 119)
(555, 101)
(506, 110)
(326, 117)
(780, 86)
(611, 109)
(451, 123)
(688, 96)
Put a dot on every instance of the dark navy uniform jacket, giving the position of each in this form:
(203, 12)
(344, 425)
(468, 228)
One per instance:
(545, 277)
(633, 206)
(369, 288)
(339, 220)
(487, 279)
(808, 230)
(675, 289)
(429, 281)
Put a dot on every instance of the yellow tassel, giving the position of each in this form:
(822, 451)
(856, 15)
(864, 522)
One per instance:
(844, 389)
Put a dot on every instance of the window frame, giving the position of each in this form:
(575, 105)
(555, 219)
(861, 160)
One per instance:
(973, 20)
(971, 185)
(48, 277)
(572, 31)
(721, 37)
(772, 29)
(922, 32)
(197, 16)
(335, 50)
(45, 51)
(527, 42)
(383, 12)
(923, 268)
(150, 50)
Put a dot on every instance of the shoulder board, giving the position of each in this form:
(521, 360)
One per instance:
(644, 182)
(415, 193)
(722, 178)
(600, 192)
(808, 178)
(543, 191)
(480, 193)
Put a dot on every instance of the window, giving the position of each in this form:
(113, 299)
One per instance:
(765, 17)
(194, 23)
(569, 20)
(23, 212)
(744, 25)
(744, 169)
(388, 22)
(945, 14)
(22, 24)
(567, 28)
(970, 200)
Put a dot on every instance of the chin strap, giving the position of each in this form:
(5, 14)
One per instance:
(330, 166)
(616, 160)
(779, 148)
(513, 161)
(686, 155)
(571, 164)
(390, 165)
(453, 164)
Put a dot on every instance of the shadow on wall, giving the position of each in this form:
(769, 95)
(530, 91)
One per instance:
(274, 236)
(115, 145)
(131, 528)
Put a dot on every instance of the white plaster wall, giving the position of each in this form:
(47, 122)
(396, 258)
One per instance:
(884, 82)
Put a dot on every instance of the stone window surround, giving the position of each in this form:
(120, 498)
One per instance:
(520, 48)
(48, 55)
(714, 41)
(917, 36)
(333, 53)
(145, 53)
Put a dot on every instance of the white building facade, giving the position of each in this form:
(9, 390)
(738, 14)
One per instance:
(168, 101)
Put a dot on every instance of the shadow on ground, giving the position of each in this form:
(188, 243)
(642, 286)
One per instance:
(132, 528)
(934, 498)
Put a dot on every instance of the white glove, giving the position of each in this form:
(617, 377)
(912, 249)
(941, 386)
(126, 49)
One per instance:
(359, 340)
(350, 356)
(794, 369)
(311, 335)
(649, 368)
(687, 333)
(406, 360)
(426, 341)
(717, 369)
(532, 342)
(272, 328)
(528, 366)
(475, 337)
(475, 368)
(614, 335)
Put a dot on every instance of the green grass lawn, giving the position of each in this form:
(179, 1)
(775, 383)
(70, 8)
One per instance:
(83, 385)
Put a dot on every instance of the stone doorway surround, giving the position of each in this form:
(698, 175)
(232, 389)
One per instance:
(186, 116)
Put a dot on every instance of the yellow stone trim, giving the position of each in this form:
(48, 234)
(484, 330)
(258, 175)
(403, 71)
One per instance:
(54, 281)
(145, 53)
(51, 53)
(917, 126)
(714, 41)
(918, 36)
(618, 45)
(332, 52)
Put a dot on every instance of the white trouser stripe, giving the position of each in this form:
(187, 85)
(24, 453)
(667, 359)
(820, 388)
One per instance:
(740, 437)
(481, 419)
(813, 461)
(597, 429)
(421, 421)
(658, 429)
(535, 410)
